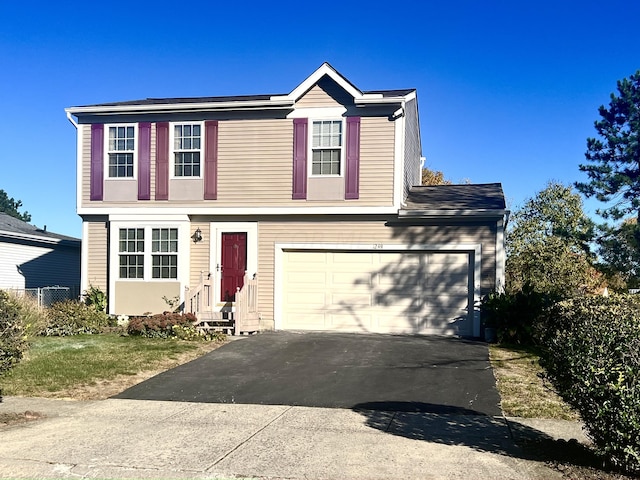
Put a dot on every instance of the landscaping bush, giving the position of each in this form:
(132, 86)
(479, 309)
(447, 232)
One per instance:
(20, 319)
(95, 298)
(161, 325)
(71, 317)
(12, 337)
(591, 353)
(515, 316)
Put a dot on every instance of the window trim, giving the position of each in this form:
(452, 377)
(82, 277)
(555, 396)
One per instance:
(310, 148)
(148, 253)
(136, 139)
(173, 151)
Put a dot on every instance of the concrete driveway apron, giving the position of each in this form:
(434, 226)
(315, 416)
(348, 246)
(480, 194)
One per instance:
(336, 370)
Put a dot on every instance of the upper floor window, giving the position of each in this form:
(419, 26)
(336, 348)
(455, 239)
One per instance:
(121, 150)
(187, 147)
(326, 147)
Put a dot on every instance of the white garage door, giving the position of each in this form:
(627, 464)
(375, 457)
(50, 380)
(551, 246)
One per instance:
(374, 291)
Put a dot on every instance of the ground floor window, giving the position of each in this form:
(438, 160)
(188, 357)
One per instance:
(156, 248)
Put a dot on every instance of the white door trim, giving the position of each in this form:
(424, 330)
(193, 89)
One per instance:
(475, 259)
(217, 229)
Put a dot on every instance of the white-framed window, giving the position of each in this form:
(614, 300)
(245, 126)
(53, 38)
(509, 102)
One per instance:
(164, 253)
(187, 149)
(131, 252)
(155, 248)
(327, 147)
(121, 151)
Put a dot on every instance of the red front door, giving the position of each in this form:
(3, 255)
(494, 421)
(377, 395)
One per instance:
(234, 264)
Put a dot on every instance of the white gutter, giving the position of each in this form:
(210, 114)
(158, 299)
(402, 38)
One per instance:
(451, 213)
(180, 107)
(37, 238)
(70, 118)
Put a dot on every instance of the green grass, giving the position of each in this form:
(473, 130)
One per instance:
(57, 364)
(524, 393)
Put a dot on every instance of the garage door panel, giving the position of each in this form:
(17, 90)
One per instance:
(306, 321)
(448, 258)
(387, 292)
(306, 300)
(306, 278)
(349, 322)
(348, 299)
(400, 279)
(350, 279)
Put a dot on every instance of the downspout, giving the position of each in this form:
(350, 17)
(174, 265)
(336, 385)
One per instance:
(70, 118)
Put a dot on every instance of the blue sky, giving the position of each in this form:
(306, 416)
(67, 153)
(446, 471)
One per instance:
(508, 90)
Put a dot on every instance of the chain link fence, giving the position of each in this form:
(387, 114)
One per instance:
(47, 296)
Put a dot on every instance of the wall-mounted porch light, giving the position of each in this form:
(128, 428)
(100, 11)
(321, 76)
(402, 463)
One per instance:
(197, 235)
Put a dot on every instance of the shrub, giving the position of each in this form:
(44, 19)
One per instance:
(515, 316)
(160, 325)
(12, 337)
(96, 298)
(71, 317)
(591, 352)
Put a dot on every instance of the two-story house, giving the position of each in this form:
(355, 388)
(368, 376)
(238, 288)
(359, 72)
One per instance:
(312, 193)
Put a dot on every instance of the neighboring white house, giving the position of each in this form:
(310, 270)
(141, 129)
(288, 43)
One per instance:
(32, 257)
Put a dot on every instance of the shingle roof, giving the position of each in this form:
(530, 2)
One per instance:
(232, 98)
(15, 226)
(484, 196)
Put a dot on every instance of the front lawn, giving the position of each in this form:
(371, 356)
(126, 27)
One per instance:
(523, 392)
(94, 366)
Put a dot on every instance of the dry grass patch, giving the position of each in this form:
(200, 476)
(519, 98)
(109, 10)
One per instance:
(94, 367)
(524, 393)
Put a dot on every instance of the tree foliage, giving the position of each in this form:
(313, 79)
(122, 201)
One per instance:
(548, 244)
(614, 157)
(11, 206)
(619, 251)
(434, 177)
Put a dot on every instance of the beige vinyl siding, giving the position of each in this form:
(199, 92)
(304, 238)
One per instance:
(326, 93)
(97, 254)
(365, 233)
(377, 136)
(255, 159)
(255, 166)
(85, 185)
(199, 253)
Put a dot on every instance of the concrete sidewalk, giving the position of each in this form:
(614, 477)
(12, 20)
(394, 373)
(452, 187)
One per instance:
(152, 439)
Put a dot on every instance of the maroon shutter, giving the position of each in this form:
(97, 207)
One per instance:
(211, 160)
(97, 161)
(144, 161)
(300, 126)
(162, 161)
(352, 171)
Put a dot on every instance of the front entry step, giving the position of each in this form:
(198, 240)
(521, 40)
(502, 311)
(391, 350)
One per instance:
(216, 322)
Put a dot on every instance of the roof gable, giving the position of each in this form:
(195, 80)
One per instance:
(250, 102)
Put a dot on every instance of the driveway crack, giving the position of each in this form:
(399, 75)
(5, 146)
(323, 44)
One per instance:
(243, 442)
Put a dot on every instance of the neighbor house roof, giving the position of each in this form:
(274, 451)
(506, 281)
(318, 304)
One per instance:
(455, 200)
(12, 227)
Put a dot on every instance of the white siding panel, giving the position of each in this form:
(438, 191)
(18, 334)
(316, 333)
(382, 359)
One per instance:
(31, 266)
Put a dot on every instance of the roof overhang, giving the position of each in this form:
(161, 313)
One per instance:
(40, 239)
(278, 104)
(440, 214)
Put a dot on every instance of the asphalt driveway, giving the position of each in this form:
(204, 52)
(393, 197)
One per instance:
(336, 370)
